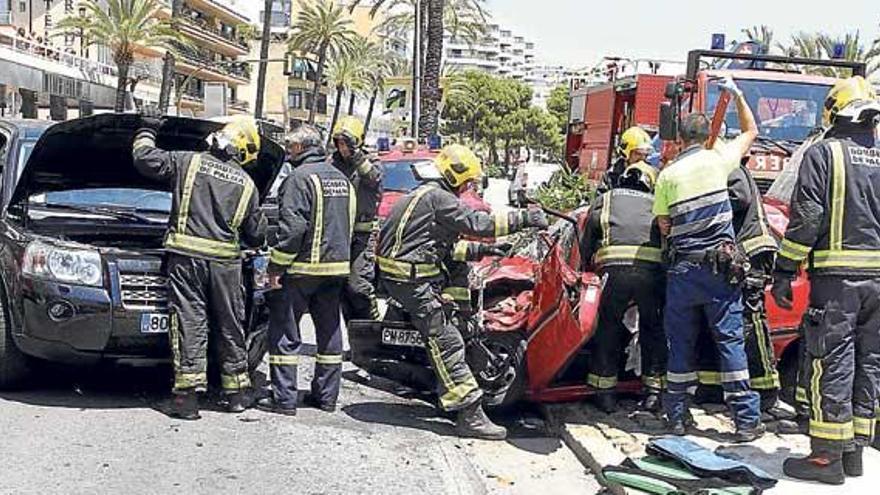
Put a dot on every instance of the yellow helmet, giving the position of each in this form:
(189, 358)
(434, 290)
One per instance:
(635, 138)
(239, 138)
(845, 93)
(458, 165)
(350, 127)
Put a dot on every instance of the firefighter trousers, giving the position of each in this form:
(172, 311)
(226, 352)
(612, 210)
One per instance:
(319, 296)
(360, 301)
(763, 375)
(207, 298)
(695, 296)
(842, 338)
(422, 299)
(626, 285)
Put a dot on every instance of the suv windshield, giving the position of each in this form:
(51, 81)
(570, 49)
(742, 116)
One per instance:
(125, 198)
(785, 111)
(398, 176)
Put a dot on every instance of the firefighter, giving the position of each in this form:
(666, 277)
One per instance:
(215, 206)
(634, 149)
(706, 269)
(834, 229)
(621, 239)
(316, 205)
(416, 237)
(366, 177)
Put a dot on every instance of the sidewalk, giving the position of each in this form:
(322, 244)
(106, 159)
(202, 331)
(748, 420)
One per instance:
(599, 439)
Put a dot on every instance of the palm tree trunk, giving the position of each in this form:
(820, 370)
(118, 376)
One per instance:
(351, 98)
(316, 87)
(428, 121)
(339, 90)
(370, 110)
(264, 54)
(168, 64)
(121, 85)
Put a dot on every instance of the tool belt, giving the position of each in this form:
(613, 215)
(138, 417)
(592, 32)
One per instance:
(726, 259)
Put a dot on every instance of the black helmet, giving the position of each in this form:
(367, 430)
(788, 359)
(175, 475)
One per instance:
(638, 176)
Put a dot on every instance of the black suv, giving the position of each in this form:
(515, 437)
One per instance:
(81, 234)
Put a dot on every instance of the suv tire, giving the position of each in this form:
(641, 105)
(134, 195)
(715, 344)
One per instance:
(14, 365)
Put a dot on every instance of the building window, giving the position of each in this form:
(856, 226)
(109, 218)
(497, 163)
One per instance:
(295, 99)
(22, 7)
(456, 53)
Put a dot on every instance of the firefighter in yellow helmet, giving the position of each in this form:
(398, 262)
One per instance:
(419, 233)
(634, 148)
(215, 209)
(834, 230)
(365, 175)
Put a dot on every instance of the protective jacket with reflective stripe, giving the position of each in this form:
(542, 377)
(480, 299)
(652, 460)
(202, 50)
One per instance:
(214, 207)
(365, 175)
(749, 220)
(835, 214)
(622, 231)
(423, 227)
(316, 206)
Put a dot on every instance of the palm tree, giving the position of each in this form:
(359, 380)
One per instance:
(822, 46)
(264, 54)
(430, 117)
(762, 35)
(168, 62)
(388, 64)
(348, 72)
(124, 26)
(323, 30)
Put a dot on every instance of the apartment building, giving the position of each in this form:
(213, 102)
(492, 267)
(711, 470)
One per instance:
(501, 52)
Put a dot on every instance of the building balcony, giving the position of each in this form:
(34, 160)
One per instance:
(207, 31)
(214, 9)
(209, 68)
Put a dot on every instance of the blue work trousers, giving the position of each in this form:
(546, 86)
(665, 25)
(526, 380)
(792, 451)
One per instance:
(694, 295)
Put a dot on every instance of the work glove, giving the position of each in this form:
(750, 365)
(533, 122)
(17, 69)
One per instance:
(498, 249)
(532, 217)
(782, 293)
(151, 117)
(726, 84)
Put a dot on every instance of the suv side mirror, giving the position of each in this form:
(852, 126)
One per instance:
(668, 122)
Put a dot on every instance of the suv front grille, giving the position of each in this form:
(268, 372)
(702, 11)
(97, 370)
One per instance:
(143, 292)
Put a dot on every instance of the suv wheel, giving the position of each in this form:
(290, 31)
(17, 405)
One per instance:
(14, 365)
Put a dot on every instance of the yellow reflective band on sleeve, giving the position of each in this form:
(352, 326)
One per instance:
(183, 381)
(601, 382)
(352, 210)
(629, 253)
(143, 141)
(460, 250)
(457, 394)
(208, 247)
(326, 269)
(794, 251)
(458, 293)
(502, 223)
(280, 360)
(329, 359)
(186, 195)
(365, 167)
(318, 227)
(838, 197)
(401, 227)
(243, 202)
(279, 257)
(846, 259)
(364, 227)
(709, 377)
(402, 270)
(764, 241)
(237, 382)
(832, 431)
(863, 427)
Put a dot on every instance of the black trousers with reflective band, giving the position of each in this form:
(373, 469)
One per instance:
(625, 286)
(457, 387)
(207, 299)
(318, 296)
(842, 339)
(360, 301)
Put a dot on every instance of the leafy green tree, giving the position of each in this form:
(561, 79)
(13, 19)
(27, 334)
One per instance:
(558, 105)
(763, 35)
(324, 30)
(821, 46)
(123, 26)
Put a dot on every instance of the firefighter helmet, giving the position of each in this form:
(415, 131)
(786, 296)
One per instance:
(639, 176)
(239, 138)
(351, 128)
(850, 98)
(635, 138)
(458, 165)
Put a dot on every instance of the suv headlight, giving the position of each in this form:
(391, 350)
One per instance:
(63, 264)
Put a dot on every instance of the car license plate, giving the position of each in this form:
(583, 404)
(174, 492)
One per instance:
(155, 323)
(405, 338)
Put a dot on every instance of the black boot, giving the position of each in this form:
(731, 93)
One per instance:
(268, 404)
(185, 405)
(679, 427)
(822, 466)
(852, 462)
(651, 403)
(472, 422)
(312, 400)
(749, 434)
(606, 402)
(238, 402)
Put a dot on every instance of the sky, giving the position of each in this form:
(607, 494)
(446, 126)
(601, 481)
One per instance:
(577, 33)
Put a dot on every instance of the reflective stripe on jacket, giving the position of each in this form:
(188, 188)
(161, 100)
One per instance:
(835, 218)
(622, 231)
(316, 209)
(749, 220)
(215, 205)
(366, 177)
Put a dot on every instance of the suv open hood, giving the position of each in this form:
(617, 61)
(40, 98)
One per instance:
(95, 152)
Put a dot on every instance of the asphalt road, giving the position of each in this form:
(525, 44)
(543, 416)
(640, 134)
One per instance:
(99, 431)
